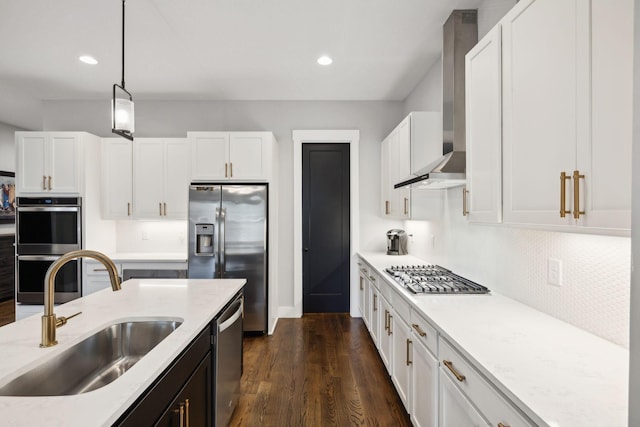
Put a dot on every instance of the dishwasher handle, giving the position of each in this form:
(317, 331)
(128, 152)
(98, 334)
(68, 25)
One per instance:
(231, 320)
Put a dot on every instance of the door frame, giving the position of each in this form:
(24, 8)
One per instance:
(351, 137)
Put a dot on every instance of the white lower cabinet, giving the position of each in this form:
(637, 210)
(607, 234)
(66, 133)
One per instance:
(401, 372)
(455, 409)
(95, 277)
(385, 340)
(482, 395)
(436, 384)
(374, 314)
(363, 293)
(424, 386)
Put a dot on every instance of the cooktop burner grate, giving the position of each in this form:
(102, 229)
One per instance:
(433, 279)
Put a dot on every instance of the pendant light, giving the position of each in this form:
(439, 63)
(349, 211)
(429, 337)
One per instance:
(122, 114)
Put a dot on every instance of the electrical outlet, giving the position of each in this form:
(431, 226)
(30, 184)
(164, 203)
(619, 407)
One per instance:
(554, 272)
(145, 235)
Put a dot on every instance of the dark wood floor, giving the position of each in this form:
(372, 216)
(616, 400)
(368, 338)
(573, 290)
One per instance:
(321, 370)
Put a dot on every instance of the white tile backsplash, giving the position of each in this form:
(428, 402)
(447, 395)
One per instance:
(594, 294)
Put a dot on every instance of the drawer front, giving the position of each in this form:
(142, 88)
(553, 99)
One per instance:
(401, 307)
(374, 279)
(94, 268)
(424, 332)
(484, 396)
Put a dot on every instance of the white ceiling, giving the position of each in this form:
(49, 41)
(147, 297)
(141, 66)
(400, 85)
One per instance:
(215, 50)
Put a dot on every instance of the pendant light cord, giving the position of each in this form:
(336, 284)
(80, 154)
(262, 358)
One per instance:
(123, 44)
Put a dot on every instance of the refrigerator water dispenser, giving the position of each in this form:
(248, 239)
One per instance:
(204, 239)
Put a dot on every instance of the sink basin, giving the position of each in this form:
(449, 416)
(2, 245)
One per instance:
(94, 362)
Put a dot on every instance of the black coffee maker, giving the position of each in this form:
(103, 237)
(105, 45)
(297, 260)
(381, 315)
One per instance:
(396, 242)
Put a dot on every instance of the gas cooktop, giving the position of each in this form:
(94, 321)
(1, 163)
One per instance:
(433, 279)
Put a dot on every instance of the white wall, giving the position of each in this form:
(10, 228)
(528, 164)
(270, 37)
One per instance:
(634, 368)
(174, 118)
(512, 261)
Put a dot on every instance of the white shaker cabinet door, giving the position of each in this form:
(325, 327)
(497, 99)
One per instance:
(30, 168)
(209, 155)
(117, 185)
(374, 314)
(545, 83)
(246, 156)
(385, 339)
(604, 158)
(484, 129)
(65, 153)
(455, 408)
(148, 178)
(424, 387)
(401, 363)
(176, 178)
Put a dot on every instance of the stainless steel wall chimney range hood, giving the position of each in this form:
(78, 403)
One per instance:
(460, 34)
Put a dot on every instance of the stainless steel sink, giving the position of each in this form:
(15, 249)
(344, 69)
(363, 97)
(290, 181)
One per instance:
(94, 362)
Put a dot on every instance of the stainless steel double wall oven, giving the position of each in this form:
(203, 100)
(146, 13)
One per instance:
(45, 229)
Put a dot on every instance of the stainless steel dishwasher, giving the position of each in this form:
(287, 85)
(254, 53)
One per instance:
(227, 361)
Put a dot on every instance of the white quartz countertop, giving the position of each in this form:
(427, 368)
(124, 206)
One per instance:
(148, 257)
(195, 302)
(558, 374)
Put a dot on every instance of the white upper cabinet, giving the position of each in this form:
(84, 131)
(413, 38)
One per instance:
(176, 178)
(604, 154)
(415, 144)
(49, 163)
(242, 156)
(396, 202)
(484, 129)
(117, 180)
(160, 178)
(567, 79)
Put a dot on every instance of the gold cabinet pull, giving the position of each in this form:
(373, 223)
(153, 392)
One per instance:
(449, 365)
(373, 279)
(226, 170)
(164, 206)
(386, 207)
(503, 425)
(576, 195)
(406, 208)
(375, 300)
(49, 183)
(44, 182)
(160, 208)
(419, 330)
(181, 412)
(129, 209)
(361, 288)
(408, 358)
(231, 169)
(563, 194)
(186, 408)
(386, 320)
(389, 331)
(465, 211)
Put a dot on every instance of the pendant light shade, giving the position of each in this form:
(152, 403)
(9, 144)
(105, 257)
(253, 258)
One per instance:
(122, 111)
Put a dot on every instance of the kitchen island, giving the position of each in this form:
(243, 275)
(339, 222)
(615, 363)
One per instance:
(195, 303)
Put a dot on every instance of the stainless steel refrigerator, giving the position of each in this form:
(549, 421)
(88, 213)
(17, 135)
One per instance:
(228, 239)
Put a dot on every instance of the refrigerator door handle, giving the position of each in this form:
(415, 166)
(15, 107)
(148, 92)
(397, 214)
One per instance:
(222, 242)
(216, 247)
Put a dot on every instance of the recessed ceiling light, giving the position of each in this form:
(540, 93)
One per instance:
(87, 59)
(324, 60)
